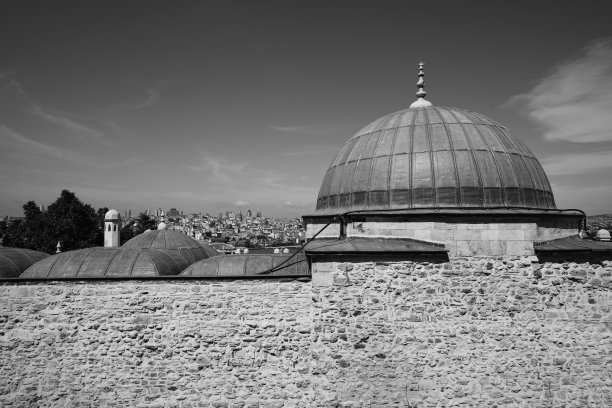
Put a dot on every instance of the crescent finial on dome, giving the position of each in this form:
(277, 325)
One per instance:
(421, 102)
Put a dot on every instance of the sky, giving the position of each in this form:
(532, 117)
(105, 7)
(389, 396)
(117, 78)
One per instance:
(233, 105)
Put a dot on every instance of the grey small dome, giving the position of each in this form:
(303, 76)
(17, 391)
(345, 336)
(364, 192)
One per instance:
(112, 215)
(14, 261)
(249, 265)
(603, 234)
(106, 263)
(432, 157)
(187, 247)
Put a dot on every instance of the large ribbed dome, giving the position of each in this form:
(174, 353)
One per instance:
(433, 157)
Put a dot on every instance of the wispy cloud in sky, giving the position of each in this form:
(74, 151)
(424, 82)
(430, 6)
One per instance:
(226, 172)
(75, 128)
(152, 97)
(291, 204)
(303, 130)
(220, 169)
(53, 151)
(242, 184)
(14, 139)
(574, 103)
(578, 163)
(312, 150)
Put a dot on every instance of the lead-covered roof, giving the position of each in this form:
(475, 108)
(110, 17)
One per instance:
(433, 157)
(187, 247)
(107, 263)
(250, 265)
(14, 261)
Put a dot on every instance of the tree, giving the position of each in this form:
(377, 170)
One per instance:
(68, 220)
(11, 233)
(75, 224)
(143, 223)
(136, 227)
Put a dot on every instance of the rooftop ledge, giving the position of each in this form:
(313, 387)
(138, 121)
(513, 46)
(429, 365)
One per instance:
(497, 211)
(372, 246)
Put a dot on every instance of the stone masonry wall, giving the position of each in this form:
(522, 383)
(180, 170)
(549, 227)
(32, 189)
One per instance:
(155, 344)
(470, 332)
(478, 333)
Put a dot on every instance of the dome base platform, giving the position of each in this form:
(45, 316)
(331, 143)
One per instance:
(476, 232)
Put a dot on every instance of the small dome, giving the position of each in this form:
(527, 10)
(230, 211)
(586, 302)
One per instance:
(14, 261)
(433, 157)
(162, 226)
(105, 263)
(603, 234)
(249, 265)
(112, 215)
(172, 241)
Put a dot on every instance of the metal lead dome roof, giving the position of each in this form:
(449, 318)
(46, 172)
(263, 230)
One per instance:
(430, 157)
(433, 157)
(106, 263)
(172, 241)
(14, 261)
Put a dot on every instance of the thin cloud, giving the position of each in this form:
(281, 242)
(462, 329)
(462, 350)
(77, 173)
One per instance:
(153, 96)
(237, 176)
(46, 149)
(22, 141)
(244, 184)
(574, 102)
(304, 130)
(578, 163)
(312, 150)
(221, 170)
(76, 128)
(291, 204)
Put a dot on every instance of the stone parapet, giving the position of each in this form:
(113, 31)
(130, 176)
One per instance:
(471, 332)
(155, 344)
(480, 332)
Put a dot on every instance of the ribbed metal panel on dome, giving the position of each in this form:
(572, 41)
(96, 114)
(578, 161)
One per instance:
(187, 247)
(250, 265)
(14, 261)
(433, 157)
(105, 263)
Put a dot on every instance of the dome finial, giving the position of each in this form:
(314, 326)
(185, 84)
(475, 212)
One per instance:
(421, 102)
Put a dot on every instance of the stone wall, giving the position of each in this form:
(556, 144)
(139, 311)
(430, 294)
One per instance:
(467, 333)
(155, 344)
(470, 332)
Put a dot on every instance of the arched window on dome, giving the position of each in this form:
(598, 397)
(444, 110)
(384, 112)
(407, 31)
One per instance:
(109, 227)
(115, 227)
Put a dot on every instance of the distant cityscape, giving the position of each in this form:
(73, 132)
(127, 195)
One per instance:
(248, 230)
(597, 222)
(252, 229)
